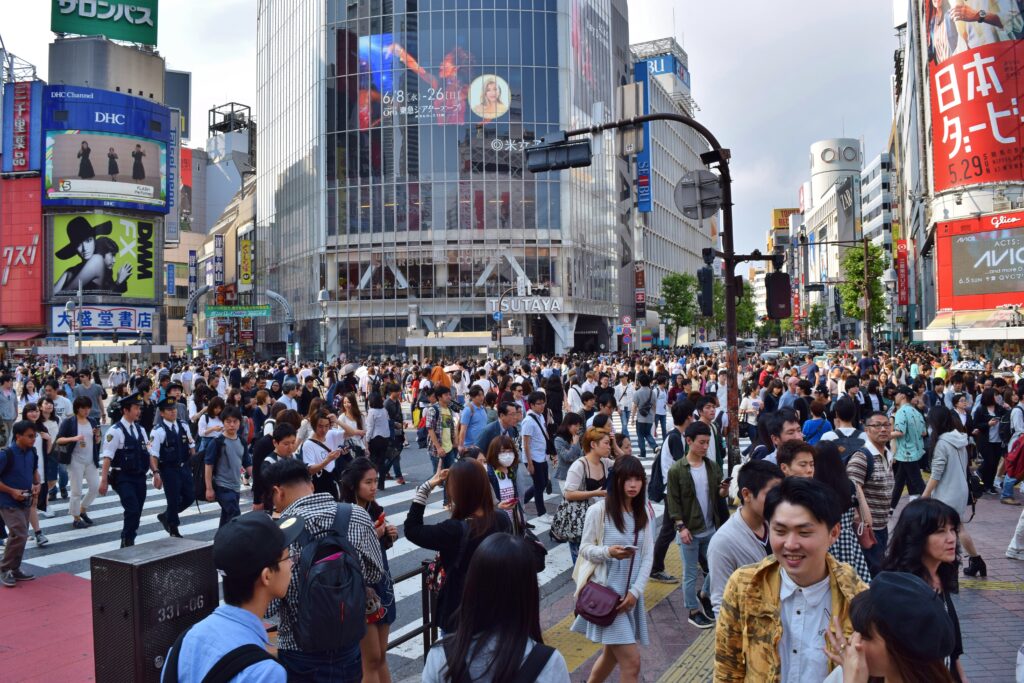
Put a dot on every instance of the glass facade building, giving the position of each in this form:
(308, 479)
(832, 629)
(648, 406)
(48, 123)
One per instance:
(392, 171)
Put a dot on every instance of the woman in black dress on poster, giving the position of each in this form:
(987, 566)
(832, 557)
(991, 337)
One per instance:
(112, 168)
(85, 166)
(138, 172)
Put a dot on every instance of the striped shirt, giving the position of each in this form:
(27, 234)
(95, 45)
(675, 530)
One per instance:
(878, 489)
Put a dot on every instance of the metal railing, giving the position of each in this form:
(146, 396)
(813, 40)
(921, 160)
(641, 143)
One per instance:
(428, 604)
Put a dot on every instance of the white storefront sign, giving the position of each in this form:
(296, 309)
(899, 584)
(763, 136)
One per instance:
(527, 304)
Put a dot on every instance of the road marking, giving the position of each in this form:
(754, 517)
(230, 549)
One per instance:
(696, 664)
(986, 585)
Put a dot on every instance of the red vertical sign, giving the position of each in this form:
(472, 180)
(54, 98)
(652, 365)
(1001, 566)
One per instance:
(21, 253)
(902, 274)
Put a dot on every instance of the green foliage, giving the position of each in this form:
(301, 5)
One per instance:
(746, 313)
(816, 316)
(679, 292)
(853, 286)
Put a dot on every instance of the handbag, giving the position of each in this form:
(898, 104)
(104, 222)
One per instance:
(865, 536)
(63, 453)
(570, 515)
(596, 602)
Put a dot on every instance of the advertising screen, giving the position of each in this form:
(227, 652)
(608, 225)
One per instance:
(974, 52)
(22, 265)
(104, 149)
(110, 255)
(393, 85)
(981, 262)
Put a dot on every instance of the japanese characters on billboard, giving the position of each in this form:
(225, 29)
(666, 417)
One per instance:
(135, 21)
(644, 199)
(22, 266)
(980, 261)
(110, 255)
(97, 318)
(185, 188)
(902, 273)
(245, 276)
(105, 149)
(974, 55)
(22, 126)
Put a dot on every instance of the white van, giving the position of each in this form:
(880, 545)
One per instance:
(708, 348)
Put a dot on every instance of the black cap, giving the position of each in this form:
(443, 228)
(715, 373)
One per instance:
(133, 399)
(910, 608)
(167, 403)
(248, 543)
(906, 391)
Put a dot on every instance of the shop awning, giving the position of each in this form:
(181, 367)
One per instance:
(19, 336)
(995, 324)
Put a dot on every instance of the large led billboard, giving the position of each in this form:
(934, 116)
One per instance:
(104, 149)
(980, 261)
(110, 255)
(974, 54)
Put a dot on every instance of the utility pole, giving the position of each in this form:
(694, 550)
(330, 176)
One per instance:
(867, 302)
(561, 153)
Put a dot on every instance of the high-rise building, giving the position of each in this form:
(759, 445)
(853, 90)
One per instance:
(665, 241)
(392, 173)
(876, 200)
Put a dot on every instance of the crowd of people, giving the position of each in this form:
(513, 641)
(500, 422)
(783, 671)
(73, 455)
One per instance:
(796, 556)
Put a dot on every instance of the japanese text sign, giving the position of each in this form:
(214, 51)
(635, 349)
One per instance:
(135, 21)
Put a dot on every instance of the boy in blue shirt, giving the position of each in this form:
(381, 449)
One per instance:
(252, 552)
(19, 486)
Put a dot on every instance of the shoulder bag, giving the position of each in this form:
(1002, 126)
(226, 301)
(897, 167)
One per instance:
(63, 452)
(570, 515)
(596, 602)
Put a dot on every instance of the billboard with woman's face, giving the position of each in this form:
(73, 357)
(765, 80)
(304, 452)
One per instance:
(107, 254)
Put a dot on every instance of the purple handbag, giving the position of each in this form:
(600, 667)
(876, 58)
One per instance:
(596, 603)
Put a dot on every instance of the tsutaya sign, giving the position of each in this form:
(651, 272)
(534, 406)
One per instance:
(527, 304)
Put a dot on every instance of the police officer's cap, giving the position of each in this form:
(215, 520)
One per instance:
(167, 403)
(133, 399)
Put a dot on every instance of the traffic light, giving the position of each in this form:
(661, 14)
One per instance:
(706, 291)
(778, 292)
(557, 153)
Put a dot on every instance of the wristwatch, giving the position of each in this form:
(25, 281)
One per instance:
(982, 14)
(680, 526)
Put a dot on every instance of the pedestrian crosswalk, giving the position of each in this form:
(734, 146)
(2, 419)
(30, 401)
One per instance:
(70, 550)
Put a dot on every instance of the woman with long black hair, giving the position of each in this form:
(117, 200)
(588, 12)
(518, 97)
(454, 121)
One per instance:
(472, 519)
(359, 487)
(987, 415)
(924, 543)
(499, 634)
(617, 550)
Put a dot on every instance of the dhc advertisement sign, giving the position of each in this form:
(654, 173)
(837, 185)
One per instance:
(104, 149)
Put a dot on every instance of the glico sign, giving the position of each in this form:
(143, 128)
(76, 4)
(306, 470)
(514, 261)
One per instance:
(980, 261)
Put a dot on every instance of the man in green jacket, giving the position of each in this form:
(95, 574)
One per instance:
(694, 487)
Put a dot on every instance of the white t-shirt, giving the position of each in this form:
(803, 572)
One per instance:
(205, 422)
(700, 485)
(314, 454)
(83, 451)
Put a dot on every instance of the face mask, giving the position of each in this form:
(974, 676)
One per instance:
(506, 459)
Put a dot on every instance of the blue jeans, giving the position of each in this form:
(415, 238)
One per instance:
(692, 555)
(448, 461)
(662, 421)
(540, 484)
(643, 435)
(1008, 484)
(624, 416)
(228, 501)
(340, 666)
(574, 551)
(874, 554)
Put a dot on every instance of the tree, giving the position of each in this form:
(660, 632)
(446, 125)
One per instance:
(746, 313)
(853, 287)
(679, 292)
(816, 316)
(717, 321)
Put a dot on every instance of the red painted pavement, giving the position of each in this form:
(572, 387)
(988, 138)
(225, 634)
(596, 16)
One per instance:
(46, 630)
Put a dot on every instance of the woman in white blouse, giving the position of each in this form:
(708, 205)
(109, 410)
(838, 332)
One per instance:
(586, 478)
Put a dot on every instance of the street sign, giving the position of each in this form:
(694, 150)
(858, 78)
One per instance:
(618, 329)
(215, 311)
(627, 320)
(627, 339)
(497, 316)
(641, 322)
(698, 194)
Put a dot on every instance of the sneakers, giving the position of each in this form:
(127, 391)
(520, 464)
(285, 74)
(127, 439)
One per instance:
(64, 494)
(1015, 554)
(85, 518)
(41, 539)
(79, 524)
(19, 575)
(663, 577)
(46, 513)
(698, 619)
(705, 603)
(1010, 501)
(7, 579)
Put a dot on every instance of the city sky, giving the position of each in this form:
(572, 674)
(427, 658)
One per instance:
(818, 70)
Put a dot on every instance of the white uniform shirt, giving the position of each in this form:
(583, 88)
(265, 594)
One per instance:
(114, 439)
(158, 434)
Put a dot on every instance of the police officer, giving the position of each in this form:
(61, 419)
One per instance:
(169, 449)
(125, 462)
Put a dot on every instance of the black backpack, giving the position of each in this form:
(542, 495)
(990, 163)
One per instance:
(197, 463)
(114, 410)
(332, 595)
(1005, 429)
(848, 445)
(230, 665)
(529, 670)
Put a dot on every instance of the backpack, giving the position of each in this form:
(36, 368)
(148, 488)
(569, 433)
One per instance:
(114, 410)
(331, 611)
(760, 452)
(375, 384)
(1015, 460)
(249, 432)
(528, 671)
(227, 667)
(869, 459)
(848, 445)
(1005, 430)
(197, 463)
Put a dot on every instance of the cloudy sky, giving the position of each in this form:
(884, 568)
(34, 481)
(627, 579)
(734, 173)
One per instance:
(770, 78)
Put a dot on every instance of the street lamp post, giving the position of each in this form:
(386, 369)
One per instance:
(889, 280)
(323, 298)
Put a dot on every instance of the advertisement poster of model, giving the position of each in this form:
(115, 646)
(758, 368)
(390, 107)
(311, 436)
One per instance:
(108, 254)
(974, 54)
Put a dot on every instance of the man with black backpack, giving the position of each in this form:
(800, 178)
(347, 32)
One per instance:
(323, 613)
(253, 552)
